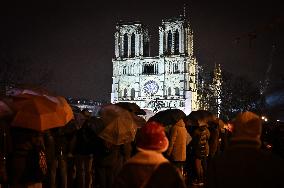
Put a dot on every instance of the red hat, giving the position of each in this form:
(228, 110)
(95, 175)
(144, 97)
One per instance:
(152, 137)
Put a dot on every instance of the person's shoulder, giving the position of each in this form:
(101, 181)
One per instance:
(166, 176)
(169, 170)
(167, 165)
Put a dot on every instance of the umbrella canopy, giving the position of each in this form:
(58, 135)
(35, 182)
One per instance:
(28, 91)
(148, 115)
(37, 113)
(168, 117)
(63, 109)
(131, 107)
(140, 121)
(5, 110)
(119, 125)
(200, 116)
(66, 109)
(31, 90)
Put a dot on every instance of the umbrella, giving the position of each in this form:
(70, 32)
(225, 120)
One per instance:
(168, 117)
(5, 110)
(200, 115)
(31, 90)
(140, 121)
(26, 92)
(148, 115)
(120, 127)
(66, 109)
(63, 108)
(37, 113)
(131, 107)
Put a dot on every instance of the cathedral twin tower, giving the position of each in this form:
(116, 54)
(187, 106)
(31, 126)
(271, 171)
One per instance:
(168, 80)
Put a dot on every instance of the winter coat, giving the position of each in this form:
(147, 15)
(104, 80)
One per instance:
(214, 139)
(179, 138)
(5, 148)
(56, 144)
(243, 164)
(200, 145)
(24, 141)
(148, 169)
(108, 160)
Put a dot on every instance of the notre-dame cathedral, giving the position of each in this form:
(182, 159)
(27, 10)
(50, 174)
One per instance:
(168, 80)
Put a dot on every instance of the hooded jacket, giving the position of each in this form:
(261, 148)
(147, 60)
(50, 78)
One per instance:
(179, 139)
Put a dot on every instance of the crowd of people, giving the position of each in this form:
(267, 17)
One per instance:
(197, 150)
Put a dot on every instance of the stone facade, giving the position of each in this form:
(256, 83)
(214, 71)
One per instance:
(168, 80)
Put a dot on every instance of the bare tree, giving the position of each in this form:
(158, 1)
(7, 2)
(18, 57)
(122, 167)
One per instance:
(238, 94)
(206, 91)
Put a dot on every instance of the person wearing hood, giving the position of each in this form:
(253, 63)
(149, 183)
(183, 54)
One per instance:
(243, 163)
(179, 139)
(149, 168)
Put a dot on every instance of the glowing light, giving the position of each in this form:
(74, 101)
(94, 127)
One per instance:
(278, 120)
(265, 119)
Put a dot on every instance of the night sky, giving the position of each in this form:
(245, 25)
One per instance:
(76, 40)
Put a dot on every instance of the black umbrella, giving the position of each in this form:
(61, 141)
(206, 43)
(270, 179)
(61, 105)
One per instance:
(199, 115)
(131, 107)
(168, 117)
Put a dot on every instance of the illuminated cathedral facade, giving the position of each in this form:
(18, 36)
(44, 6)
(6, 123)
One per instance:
(166, 81)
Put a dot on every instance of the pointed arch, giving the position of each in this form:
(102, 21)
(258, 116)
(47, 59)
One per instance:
(125, 92)
(124, 70)
(169, 91)
(177, 91)
(132, 93)
(176, 42)
(170, 41)
(132, 45)
(125, 45)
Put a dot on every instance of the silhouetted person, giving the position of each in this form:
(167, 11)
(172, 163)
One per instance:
(200, 152)
(243, 163)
